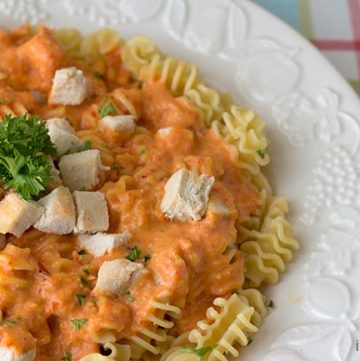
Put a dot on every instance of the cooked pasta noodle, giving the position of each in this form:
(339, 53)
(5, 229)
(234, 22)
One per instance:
(150, 116)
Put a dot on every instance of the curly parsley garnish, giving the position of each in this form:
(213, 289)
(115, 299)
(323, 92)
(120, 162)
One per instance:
(67, 357)
(107, 108)
(85, 146)
(134, 254)
(129, 296)
(24, 145)
(78, 324)
(201, 352)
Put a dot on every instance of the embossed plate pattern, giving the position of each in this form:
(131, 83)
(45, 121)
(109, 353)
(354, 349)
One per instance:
(313, 124)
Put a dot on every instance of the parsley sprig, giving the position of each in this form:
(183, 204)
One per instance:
(24, 145)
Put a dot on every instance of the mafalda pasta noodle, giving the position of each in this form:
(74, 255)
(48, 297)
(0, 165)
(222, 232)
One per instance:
(184, 226)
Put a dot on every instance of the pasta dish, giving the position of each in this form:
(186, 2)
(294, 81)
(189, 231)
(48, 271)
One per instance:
(135, 221)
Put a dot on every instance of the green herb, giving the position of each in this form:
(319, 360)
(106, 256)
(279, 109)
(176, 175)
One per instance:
(147, 257)
(82, 189)
(85, 146)
(115, 167)
(86, 270)
(261, 153)
(81, 252)
(270, 304)
(78, 324)
(98, 75)
(129, 296)
(10, 322)
(2, 101)
(250, 340)
(143, 151)
(24, 145)
(67, 357)
(107, 108)
(80, 298)
(201, 352)
(84, 282)
(134, 254)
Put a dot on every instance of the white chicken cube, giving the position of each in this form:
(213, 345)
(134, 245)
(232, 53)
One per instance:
(92, 212)
(62, 135)
(186, 195)
(114, 277)
(125, 123)
(9, 354)
(59, 216)
(163, 132)
(102, 243)
(17, 214)
(80, 170)
(69, 87)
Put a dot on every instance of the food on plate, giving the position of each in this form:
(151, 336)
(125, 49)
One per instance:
(135, 221)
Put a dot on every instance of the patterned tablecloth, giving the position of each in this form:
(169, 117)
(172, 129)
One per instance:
(332, 25)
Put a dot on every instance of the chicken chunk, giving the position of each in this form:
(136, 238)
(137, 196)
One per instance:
(9, 354)
(59, 216)
(80, 170)
(69, 87)
(92, 212)
(101, 243)
(17, 215)
(62, 135)
(115, 276)
(125, 123)
(186, 195)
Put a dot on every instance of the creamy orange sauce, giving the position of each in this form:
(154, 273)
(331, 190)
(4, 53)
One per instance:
(188, 260)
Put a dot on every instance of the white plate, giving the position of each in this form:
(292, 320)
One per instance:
(313, 124)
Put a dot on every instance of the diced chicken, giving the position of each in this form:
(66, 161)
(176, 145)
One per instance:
(17, 215)
(69, 87)
(59, 216)
(186, 195)
(101, 243)
(9, 354)
(92, 212)
(62, 135)
(80, 170)
(115, 277)
(124, 123)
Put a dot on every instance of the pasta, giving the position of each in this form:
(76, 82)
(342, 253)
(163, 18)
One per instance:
(187, 285)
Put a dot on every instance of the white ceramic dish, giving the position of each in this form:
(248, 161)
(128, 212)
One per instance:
(313, 124)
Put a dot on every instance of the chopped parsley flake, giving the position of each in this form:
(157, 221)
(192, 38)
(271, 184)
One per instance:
(250, 340)
(67, 357)
(147, 257)
(201, 352)
(2, 101)
(10, 322)
(115, 167)
(270, 304)
(81, 252)
(80, 298)
(261, 153)
(84, 282)
(98, 75)
(85, 146)
(134, 254)
(107, 108)
(129, 296)
(86, 270)
(78, 324)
